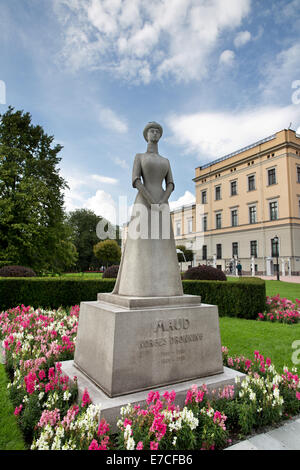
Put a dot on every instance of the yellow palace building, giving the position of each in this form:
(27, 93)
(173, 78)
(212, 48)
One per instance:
(247, 209)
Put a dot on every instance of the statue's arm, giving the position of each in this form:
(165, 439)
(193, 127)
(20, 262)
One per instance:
(137, 182)
(167, 194)
(169, 186)
(141, 188)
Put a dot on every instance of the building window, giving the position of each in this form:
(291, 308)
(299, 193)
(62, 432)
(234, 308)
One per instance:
(219, 251)
(233, 188)
(204, 223)
(234, 218)
(252, 214)
(298, 174)
(253, 248)
(271, 176)
(273, 210)
(204, 197)
(178, 228)
(251, 183)
(218, 220)
(204, 252)
(218, 193)
(235, 249)
(274, 248)
(190, 225)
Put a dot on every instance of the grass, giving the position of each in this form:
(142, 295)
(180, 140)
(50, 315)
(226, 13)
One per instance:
(84, 275)
(273, 340)
(10, 434)
(290, 290)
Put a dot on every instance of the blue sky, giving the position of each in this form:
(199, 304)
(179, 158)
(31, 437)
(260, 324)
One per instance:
(216, 74)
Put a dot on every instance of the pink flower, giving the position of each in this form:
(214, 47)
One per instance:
(298, 395)
(103, 427)
(18, 410)
(126, 422)
(153, 445)
(94, 445)
(139, 446)
(85, 398)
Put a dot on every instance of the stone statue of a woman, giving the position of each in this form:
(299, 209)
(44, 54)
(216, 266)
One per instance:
(149, 265)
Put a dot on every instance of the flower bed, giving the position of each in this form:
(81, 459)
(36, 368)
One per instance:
(281, 310)
(36, 341)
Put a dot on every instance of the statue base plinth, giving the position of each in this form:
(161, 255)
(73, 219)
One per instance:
(133, 344)
(110, 407)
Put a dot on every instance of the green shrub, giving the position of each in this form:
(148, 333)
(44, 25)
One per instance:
(50, 292)
(243, 299)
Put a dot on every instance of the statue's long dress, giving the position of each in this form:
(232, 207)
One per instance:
(149, 265)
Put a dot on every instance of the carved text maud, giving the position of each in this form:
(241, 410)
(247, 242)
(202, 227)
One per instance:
(172, 324)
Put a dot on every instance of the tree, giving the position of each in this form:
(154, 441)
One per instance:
(181, 257)
(32, 226)
(84, 223)
(108, 252)
(186, 255)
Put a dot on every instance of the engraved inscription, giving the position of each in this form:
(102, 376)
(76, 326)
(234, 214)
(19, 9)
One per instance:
(172, 324)
(157, 342)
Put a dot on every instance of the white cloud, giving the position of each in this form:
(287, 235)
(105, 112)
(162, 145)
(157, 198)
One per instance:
(213, 134)
(141, 41)
(104, 179)
(242, 38)
(79, 194)
(122, 163)
(109, 119)
(227, 58)
(281, 72)
(185, 200)
(103, 204)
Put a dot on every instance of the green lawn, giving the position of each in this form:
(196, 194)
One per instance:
(83, 275)
(10, 434)
(274, 340)
(290, 290)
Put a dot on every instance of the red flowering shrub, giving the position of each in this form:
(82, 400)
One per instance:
(16, 271)
(111, 272)
(205, 273)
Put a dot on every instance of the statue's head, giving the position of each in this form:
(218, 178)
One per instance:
(152, 136)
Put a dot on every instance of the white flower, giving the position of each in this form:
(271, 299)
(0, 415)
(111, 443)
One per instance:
(174, 441)
(130, 444)
(67, 395)
(252, 396)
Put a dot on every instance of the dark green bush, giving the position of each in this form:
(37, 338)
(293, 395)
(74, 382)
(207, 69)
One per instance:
(243, 299)
(50, 292)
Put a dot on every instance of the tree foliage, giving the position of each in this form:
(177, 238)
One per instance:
(84, 225)
(32, 226)
(187, 255)
(108, 252)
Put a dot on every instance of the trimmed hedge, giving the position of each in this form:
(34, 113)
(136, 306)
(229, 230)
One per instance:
(242, 298)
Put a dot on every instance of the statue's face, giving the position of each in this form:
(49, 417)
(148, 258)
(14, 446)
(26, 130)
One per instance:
(153, 134)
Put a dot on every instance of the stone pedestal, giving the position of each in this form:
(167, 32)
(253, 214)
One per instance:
(131, 344)
(110, 407)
